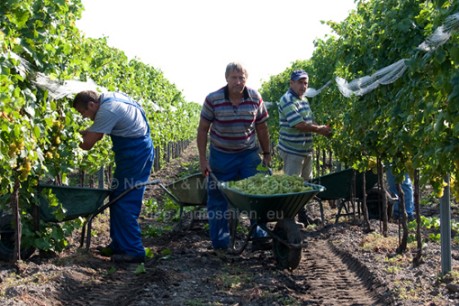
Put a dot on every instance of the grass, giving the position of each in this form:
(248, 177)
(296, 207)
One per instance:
(196, 302)
(156, 231)
(232, 278)
(376, 242)
(189, 168)
(451, 277)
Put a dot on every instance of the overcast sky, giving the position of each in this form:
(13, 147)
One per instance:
(191, 42)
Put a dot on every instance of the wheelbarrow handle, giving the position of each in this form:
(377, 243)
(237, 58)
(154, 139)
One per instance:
(214, 178)
(105, 206)
(169, 193)
(136, 186)
(212, 175)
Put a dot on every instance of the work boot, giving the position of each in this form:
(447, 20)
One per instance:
(123, 258)
(105, 251)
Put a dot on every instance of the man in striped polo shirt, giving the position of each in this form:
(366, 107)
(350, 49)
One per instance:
(235, 118)
(296, 131)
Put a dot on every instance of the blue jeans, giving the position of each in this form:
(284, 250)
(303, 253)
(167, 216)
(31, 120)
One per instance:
(407, 189)
(227, 167)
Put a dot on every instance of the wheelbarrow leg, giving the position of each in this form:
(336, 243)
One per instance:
(322, 215)
(341, 205)
(238, 249)
(88, 235)
(181, 217)
(83, 231)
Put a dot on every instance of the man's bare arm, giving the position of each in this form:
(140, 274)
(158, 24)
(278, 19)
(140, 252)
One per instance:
(90, 139)
(203, 130)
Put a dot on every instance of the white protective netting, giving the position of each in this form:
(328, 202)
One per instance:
(391, 73)
(57, 89)
(364, 85)
(441, 34)
(311, 92)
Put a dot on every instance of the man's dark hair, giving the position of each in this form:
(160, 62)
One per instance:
(83, 98)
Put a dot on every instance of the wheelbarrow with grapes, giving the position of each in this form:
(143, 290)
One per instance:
(273, 212)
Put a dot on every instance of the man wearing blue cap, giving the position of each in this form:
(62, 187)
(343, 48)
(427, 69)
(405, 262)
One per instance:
(296, 131)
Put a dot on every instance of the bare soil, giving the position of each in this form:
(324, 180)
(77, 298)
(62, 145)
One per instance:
(341, 265)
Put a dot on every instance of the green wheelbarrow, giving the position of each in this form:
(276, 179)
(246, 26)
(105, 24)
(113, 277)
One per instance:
(188, 191)
(280, 209)
(56, 204)
(345, 186)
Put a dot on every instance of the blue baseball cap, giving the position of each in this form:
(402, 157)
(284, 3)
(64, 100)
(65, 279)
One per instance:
(298, 74)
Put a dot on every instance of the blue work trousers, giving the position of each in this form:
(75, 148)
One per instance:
(227, 167)
(134, 159)
(407, 189)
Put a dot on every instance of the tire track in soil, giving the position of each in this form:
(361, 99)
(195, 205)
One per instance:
(120, 290)
(334, 278)
(123, 285)
(325, 276)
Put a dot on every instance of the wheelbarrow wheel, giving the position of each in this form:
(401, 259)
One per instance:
(288, 251)
(7, 240)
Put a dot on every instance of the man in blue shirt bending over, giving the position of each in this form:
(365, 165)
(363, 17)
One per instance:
(122, 118)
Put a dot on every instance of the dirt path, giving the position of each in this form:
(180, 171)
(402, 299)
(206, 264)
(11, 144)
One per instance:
(334, 270)
(191, 273)
(195, 275)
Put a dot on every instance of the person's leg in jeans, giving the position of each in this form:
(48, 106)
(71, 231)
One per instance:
(407, 190)
(216, 208)
(223, 166)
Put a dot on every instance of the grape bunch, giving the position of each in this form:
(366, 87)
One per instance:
(262, 184)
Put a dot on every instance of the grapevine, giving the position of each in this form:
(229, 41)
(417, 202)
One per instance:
(39, 136)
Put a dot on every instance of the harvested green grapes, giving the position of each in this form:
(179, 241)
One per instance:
(266, 184)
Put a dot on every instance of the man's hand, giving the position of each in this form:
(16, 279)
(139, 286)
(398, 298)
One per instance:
(90, 139)
(266, 159)
(324, 130)
(204, 166)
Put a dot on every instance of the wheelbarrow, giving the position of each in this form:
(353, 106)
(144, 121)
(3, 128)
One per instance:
(341, 186)
(56, 204)
(280, 209)
(188, 191)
